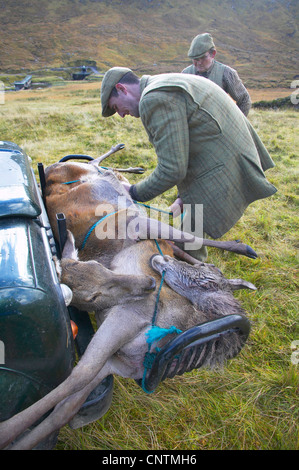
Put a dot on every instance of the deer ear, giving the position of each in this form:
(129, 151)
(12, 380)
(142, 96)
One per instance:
(57, 267)
(69, 249)
(236, 284)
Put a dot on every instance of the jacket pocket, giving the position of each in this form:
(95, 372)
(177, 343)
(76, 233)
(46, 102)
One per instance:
(200, 187)
(215, 169)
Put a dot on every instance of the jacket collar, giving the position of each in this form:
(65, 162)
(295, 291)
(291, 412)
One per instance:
(144, 82)
(207, 73)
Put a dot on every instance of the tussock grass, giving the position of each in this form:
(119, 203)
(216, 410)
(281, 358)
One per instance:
(253, 402)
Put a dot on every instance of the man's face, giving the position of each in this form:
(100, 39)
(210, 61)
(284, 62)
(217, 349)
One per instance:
(125, 102)
(203, 63)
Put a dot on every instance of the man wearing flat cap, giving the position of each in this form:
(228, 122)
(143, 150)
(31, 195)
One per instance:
(204, 144)
(202, 52)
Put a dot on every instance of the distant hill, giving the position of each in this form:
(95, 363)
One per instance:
(257, 37)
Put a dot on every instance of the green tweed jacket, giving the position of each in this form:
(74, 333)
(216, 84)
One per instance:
(205, 146)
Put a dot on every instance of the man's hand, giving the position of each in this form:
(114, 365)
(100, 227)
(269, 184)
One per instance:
(177, 207)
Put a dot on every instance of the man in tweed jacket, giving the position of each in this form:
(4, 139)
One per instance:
(202, 52)
(204, 144)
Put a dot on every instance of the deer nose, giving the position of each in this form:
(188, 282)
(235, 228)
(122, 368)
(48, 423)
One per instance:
(159, 263)
(152, 285)
(67, 294)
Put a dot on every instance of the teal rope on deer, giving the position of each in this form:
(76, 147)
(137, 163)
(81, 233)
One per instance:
(154, 208)
(93, 227)
(71, 182)
(155, 333)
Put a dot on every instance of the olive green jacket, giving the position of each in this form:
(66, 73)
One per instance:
(205, 146)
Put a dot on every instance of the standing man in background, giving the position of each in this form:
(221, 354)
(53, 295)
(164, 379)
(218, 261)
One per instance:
(202, 52)
(204, 145)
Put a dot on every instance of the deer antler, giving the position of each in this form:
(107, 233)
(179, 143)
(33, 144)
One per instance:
(111, 151)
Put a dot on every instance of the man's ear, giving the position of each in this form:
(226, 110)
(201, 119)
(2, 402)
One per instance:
(121, 87)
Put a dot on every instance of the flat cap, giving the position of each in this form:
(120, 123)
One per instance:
(111, 78)
(200, 45)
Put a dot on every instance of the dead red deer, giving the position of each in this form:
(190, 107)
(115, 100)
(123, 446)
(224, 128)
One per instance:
(95, 287)
(120, 343)
(85, 194)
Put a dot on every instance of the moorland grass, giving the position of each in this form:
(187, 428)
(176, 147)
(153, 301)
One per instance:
(252, 403)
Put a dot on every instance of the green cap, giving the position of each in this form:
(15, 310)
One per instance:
(111, 78)
(200, 45)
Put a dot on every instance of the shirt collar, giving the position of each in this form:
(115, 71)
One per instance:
(207, 73)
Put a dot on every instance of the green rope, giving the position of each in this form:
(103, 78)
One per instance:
(78, 181)
(70, 182)
(150, 357)
(154, 334)
(160, 210)
(158, 246)
(93, 227)
(154, 208)
(157, 300)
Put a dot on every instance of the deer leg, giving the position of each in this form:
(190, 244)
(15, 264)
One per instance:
(98, 160)
(181, 254)
(137, 170)
(112, 335)
(154, 229)
(60, 416)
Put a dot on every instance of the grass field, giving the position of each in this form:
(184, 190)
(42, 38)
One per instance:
(251, 404)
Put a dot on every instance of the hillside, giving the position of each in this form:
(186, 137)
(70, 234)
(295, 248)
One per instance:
(258, 37)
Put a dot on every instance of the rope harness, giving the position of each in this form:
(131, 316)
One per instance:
(71, 182)
(155, 333)
(94, 226)
(78, 181)
(112, 213)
